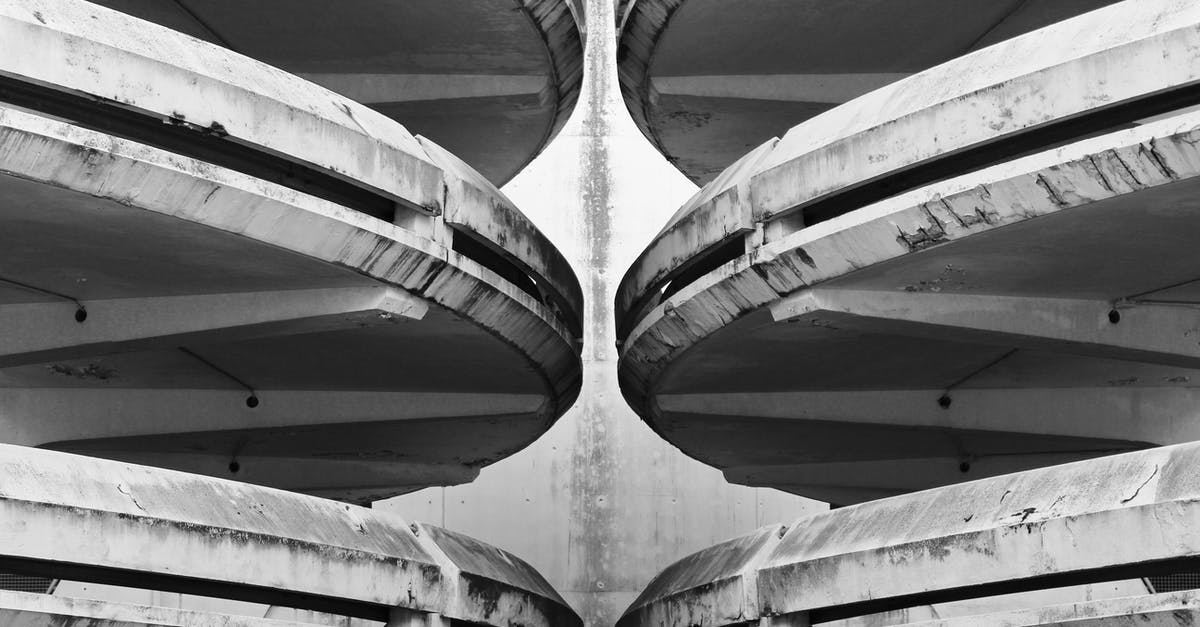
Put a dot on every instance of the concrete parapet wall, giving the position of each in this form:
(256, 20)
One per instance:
(1099, 520)
(76, 517)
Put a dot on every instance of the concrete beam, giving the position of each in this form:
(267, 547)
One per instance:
(1105, 519)
(179, 80)
(179, 532)
(35, 416)
(379, 88)
(42, 332)
(20, 609)
(827, 88)
(1166, 411)
(1072, 68)
(1161, 334)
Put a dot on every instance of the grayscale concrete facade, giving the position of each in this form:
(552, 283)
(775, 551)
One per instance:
(277, 348)
(897, 295)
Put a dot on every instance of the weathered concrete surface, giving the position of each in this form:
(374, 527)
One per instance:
(716, 586)
(175, 79)
(245, 106)
(706, 80)
(296, 303)
(999, 604)
(492, 587)
(477, 208)
(937, 345)
(18, 609)
(975, 110)
(1156, 610)
(177, 531)
(180, 531)
(610, 503)
(492, 80)
(1097, 520)
(1134, 509)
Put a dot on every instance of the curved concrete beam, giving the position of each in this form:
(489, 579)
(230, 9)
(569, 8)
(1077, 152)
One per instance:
(175, 531)
(170, 78)
(193, 98)
(1099, 520)
(1004, 231)
(1065, 81)
(704, 79)
(492, 80)
(208, 240)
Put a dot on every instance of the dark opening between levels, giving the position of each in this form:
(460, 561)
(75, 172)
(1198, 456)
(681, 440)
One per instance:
(203, 143)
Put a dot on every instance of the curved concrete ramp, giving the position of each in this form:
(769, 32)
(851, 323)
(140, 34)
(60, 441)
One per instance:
(1108, 519)
(492, 80)
(71, 517)
(705, 80)
(276, 285)
(1001, 318)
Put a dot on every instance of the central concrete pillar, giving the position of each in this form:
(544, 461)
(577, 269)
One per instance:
(600, 503)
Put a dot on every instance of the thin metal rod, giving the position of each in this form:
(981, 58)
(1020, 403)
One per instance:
(980, 370)
(1137, 297)
(218, 369)
(38, 290)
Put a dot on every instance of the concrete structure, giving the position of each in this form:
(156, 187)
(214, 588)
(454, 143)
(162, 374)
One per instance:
(491, 80)
(706, 80)
(1099, 520)
(166, 530)
(219, 267)
(807, 322)
(599, 504)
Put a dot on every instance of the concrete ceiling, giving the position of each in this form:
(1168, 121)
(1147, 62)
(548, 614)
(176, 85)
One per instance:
(490, 80)
(708, 80)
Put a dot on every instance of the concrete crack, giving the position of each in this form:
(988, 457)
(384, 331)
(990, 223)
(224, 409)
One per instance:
(1139, 488)
(122, 490)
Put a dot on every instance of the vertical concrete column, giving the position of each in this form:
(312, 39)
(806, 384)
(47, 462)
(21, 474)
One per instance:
(600, 504)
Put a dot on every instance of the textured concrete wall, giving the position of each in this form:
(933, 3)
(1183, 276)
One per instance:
(600, 503)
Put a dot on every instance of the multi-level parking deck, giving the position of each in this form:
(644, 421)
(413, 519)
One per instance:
(1012, 542)
(72, 517)
(983, 268)
(706, 80)
(209, 264)
(491, 80)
